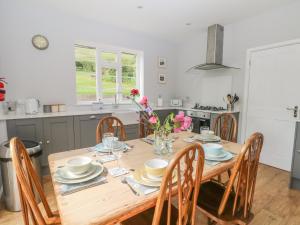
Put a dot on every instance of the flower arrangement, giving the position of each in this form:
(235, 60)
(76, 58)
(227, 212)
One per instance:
(172, 123)
(2, 89)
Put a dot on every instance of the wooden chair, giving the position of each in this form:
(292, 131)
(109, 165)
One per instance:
(225, 126)
(232, 204)
(144, 129)
(110, 124)
(189, 173)
(28, 182)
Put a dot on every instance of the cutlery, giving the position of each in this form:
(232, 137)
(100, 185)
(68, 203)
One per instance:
(124, 181)
(147, 141)
(101, 181)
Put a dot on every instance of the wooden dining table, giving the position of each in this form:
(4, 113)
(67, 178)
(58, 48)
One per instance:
(114, 201)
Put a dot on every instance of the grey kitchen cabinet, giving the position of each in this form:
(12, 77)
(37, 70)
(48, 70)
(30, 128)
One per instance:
(295, 170)
(30, 129)
(85, 129)
(58, 136)
(132, 131)
(162, 114)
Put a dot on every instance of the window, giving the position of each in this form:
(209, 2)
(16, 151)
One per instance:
(106, 73)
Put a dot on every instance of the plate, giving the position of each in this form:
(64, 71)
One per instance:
(99, 169)
(138, 176)
(64, 172)
(213, 138)
(227, 157)
(100, 147)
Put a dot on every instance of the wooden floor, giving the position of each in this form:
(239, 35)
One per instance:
(274, 202)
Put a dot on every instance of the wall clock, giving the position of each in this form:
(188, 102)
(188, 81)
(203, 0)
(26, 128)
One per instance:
(40, 42)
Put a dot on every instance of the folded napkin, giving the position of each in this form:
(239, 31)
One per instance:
(66, 189)
(107, 158)
(117, 171)
(139, 188)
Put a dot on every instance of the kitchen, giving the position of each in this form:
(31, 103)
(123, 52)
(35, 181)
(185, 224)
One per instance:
(164, 64)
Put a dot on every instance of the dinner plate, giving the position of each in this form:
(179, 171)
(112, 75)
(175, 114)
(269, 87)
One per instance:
(138, 176)
(226, 157)
(101, 148)
(99, 169)
(213, 138)
(64, 172)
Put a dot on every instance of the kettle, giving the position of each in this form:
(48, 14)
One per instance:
(32, 106)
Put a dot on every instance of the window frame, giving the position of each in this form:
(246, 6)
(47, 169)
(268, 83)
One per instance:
(114, 65)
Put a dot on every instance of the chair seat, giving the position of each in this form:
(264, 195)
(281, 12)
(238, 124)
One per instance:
(146, 217)
(210, 197)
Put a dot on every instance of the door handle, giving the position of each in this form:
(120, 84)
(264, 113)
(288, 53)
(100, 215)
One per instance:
(294, 109)
(92, 117)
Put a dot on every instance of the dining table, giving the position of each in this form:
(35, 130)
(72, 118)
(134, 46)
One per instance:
(114, 201)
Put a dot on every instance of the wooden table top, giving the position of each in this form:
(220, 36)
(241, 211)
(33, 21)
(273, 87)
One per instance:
(114, 201)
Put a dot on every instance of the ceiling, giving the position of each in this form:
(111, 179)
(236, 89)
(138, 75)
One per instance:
(166, 19)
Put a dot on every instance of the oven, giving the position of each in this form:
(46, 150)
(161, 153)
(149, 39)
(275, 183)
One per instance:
(199, 119)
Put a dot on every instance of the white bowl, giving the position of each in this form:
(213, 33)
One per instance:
(155, 167)
(79, 165)
(213, 149)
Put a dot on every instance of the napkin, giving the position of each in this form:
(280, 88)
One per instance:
(141, 189)
(117, 171)
(107, 158)
(66, 189)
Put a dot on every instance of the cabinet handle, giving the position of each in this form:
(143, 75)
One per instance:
(298, 151)
(40, 142)
(92, 117)
(48, 142)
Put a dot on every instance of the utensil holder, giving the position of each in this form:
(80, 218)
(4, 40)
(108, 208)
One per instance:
(230, 107)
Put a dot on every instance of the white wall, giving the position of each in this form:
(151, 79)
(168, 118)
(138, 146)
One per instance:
(50, 75)
(274, 26)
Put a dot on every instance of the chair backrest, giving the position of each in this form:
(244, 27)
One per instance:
(144, 129)
(243, 177)
(225, 126)
(110, 124)
(28, 182)
(189, 175)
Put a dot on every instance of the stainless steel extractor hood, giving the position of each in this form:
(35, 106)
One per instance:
(214, 54)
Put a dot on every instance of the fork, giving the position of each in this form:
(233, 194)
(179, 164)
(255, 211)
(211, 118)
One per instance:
(124, 181)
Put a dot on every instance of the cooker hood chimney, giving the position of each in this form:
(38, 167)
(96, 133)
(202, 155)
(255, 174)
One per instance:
(214, 52)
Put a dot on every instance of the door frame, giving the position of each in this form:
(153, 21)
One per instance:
(247, 77)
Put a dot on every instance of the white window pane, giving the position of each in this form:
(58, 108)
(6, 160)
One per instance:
(109, 84)
(128, 73)
(108, 56)
(85, 59)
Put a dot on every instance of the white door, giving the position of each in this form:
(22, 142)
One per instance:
(274, 85)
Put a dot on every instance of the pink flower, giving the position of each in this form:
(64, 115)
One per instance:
(144, 101)
(179, 117)
(177, 130)
(186, 123)
(153, 120)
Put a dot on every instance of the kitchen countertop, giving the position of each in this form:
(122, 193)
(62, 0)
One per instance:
(11, 115)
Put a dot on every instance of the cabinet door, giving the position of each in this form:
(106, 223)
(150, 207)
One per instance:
(59, 136)
(85, 129)
(162, 114)
(30, 129)
(132, 131)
